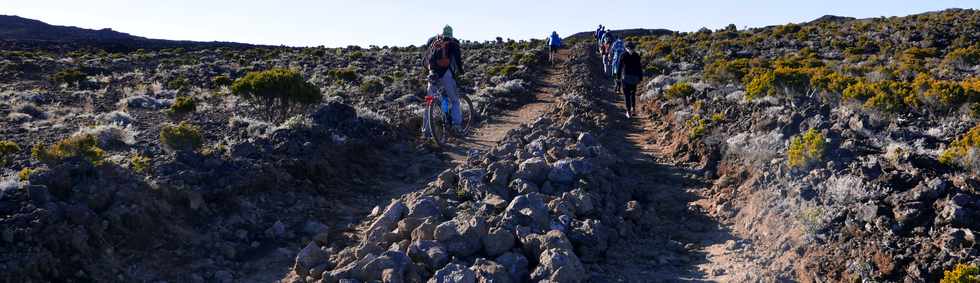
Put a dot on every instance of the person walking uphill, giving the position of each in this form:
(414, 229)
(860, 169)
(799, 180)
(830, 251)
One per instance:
(599, 33)
(617, 50)
(554, 43)
(444, 60)
(631, 73)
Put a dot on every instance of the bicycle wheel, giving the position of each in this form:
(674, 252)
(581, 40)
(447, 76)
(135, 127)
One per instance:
(438, 125)
(470, 114)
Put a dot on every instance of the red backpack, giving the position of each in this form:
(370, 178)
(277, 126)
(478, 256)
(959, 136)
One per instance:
(439, 52)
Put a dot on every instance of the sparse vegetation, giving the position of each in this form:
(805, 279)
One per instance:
(505, 70)
(220, 81)
(697, 127)
(178, 83)
(69, 76)
(279, 92)
(962, 273)
(83, 146)
(181, 137)
(372, 85)
(7, 148)
(811, 219)
(139, 163)
(806, 149)
(24, 174)
(965, 151)
(679, 90)
(183, 105)
(348, 75)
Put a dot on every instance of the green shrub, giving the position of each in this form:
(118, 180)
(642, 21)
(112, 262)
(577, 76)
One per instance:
(280, 92)
(890, 96)
(963, 57)
(69, 76)
(697, 127)
(220, 81)
(181, 137)
(348, 75)
(83, 146)
(727, 71)
(948, 92)
(886, 101)
(760, 82)
(916, 53)
(139, 163)
(860, 91)
(679, 90)
(718, 117)
(806, 149)
(786, 29)
(959, 150)
(179, 83)
(25, 174)
(372, 85)
(812, 220)
(792, 79)
(831, 81)
(183, 105)
(356, 55)
(962, 273)
(7, 148)
(505, 70)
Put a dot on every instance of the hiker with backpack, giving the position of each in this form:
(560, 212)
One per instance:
(631, 73)
(554, 43)
(606, 58)
(444, 61)
(599, 33)
(617, 49)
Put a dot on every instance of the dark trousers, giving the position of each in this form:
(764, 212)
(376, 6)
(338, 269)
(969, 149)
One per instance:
(629, 93)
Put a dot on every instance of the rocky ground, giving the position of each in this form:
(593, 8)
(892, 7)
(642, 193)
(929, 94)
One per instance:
(257, 190)
(835, 150)
(880, 200)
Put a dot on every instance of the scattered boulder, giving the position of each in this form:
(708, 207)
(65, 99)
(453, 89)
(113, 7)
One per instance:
(490, 272)
(527, 210)
(535, 170)
(498, 241)
(559, 265)
(453, 273)
(309, 257)
(431, 254)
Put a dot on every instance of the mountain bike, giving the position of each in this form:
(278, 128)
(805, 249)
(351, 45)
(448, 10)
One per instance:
(438, 124)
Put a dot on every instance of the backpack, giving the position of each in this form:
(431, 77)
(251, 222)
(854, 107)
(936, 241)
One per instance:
(439, 52)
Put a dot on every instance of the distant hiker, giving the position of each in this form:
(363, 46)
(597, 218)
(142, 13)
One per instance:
(606, 48)
(599, 33)
(631, 73)
(554, 43)
(444, 60)
(616, 51)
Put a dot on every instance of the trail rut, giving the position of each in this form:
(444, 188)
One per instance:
(685, 244)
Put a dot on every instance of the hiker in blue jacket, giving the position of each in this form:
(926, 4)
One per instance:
(617, 50)
(554, 43)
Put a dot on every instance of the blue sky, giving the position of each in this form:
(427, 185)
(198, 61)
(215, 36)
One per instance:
(394, 22)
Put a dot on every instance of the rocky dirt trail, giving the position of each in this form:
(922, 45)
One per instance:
(409, 170)
(491, 132)
(686, 243)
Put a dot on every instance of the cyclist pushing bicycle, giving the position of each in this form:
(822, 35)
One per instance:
(443, 60)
